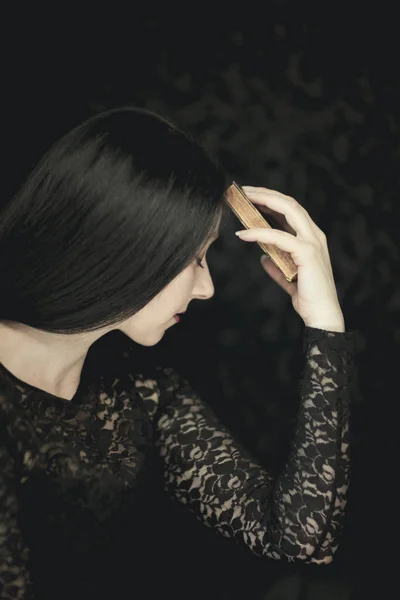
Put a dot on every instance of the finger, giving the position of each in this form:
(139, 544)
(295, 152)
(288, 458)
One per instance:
(265, 190)
(275, 219)
(299, 249)
(255, 188)
(285, 241)
(296, 215)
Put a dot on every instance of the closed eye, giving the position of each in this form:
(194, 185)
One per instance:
(199, 261)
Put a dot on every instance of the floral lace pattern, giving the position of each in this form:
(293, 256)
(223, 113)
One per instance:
(67, 466)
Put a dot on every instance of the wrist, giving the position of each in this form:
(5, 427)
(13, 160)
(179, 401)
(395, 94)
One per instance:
(338, 326)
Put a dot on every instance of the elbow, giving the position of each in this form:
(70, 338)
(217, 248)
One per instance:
(315, 557)
(309, 542)
(302, 556)
(318, 550)
(322, 543)
(326, 560)
(324, 550)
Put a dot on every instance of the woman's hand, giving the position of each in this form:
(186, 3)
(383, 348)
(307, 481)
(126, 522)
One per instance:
(314, 295)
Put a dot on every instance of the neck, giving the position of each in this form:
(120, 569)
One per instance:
(52, 362)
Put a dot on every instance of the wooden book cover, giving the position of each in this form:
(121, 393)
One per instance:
(250, 217)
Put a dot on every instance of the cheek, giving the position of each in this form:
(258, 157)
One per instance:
(187, 282)
(172, 298)
(182, 285)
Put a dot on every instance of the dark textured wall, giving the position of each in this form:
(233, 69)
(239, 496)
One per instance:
(304, 100)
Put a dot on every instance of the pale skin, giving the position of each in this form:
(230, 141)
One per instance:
(53, 362)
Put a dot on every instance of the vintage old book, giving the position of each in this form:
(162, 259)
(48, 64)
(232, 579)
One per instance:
(251, 217)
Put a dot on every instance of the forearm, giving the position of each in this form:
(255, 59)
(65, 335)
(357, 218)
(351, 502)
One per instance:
(317, 472)
(295, 516)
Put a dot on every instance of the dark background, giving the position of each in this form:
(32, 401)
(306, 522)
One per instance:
(301, 97)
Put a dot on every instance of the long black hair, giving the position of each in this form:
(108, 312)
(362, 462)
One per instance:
(111, 214)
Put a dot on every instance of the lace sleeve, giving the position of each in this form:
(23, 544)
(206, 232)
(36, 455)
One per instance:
(299, 514)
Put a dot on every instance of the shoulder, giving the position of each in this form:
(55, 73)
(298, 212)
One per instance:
(161, 387)
(119, 358)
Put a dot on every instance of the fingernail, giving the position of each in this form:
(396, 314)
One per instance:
(239, 232)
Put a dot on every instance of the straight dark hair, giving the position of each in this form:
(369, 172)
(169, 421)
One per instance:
(110, 215)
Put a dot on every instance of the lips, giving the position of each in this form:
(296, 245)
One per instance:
(178, 315)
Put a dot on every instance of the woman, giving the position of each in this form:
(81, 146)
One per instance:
(109, 235)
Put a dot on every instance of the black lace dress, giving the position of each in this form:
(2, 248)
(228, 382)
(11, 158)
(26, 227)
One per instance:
(73, 472)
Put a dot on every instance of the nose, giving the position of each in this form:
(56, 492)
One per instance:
(204, 287)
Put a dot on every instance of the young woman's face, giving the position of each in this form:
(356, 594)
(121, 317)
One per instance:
(148, 326)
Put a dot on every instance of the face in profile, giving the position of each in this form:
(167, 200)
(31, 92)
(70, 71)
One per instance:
(148, 325)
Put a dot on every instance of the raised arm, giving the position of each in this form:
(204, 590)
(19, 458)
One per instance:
(299, 514)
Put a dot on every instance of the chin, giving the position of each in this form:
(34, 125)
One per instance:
(151, 342)
(149, 339)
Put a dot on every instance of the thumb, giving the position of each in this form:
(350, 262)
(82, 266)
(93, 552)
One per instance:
(276, 274)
